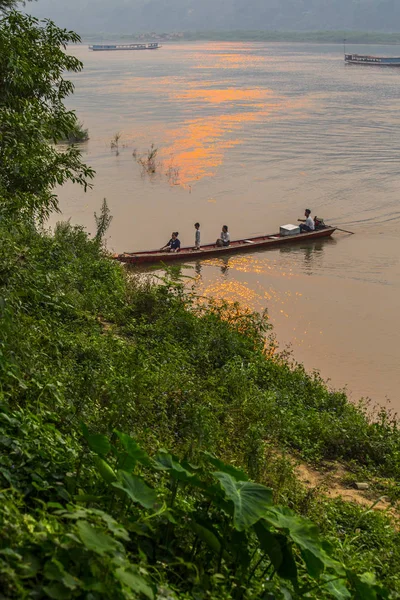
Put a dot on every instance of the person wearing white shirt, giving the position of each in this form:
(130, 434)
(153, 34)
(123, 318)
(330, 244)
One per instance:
(307, 224)
(225, 238)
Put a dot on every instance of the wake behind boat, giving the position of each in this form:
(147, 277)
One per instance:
(189, 253)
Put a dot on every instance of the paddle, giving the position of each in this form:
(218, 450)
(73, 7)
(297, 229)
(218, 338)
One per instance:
(344, 230)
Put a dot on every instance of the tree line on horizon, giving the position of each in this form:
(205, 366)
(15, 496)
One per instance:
(125, 16)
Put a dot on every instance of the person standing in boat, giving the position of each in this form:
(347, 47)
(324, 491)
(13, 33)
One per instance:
(307, 224)
(197, 236)
(225, 238)
(174, 245)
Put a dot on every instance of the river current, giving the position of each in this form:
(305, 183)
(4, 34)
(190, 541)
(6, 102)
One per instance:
(249, 135)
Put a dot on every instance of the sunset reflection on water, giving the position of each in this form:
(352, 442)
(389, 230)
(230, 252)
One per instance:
(253, 134)
(199, 145)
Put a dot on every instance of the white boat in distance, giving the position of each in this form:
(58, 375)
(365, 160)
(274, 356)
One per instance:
(104, 47)
(364, 59)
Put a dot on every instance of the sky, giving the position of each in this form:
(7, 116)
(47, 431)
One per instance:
(131, 16)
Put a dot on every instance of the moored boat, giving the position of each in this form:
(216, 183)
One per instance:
(212, 250)
(105, 47)
(364, 59)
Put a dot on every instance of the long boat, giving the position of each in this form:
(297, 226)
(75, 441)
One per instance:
(364, 59)
(189, 253)
(105, 47)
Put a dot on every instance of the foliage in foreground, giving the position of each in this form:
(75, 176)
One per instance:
(32, 111)
(82, 341)
(135, 524)
(89, 512)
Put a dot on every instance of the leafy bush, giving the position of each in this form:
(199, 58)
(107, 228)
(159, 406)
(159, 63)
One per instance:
(135, 523)
(82, 340)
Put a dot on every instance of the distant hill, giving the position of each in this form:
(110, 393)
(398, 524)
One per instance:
(127, 16)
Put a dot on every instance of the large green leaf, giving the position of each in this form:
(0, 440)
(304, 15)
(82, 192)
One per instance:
(165, 461)
(279, 550)
(135, 582)
(336, 587)
(238, 546)
(208, 535)
(250, 500)
(270, 543)
(96, 442)
(133, 450)
(305, 535)
(57, 591)
(237, 474)
(366, 588)
(285, 593)
(94, 539)
(99, 444)
(136, 488)
(315, 566)
(105, 470)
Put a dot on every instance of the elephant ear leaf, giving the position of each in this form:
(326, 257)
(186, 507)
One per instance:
(250, 500)
(94, 539)
(133, 580)
(133, 450)
(164, 461)
(237, 474)
(136, 489)
(305, 535)
(98, 443)
(336, 587)
(279, 549)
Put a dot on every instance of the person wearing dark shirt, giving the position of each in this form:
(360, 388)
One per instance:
(174, 244)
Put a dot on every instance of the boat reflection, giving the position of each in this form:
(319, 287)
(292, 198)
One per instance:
(313, 253)
(307, 257)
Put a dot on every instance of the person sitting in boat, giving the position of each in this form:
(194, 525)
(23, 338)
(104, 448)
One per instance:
(307, 224)
(225, 238)
(319, 223)
(174, 245)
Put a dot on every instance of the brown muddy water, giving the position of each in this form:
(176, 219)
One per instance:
(250, 135)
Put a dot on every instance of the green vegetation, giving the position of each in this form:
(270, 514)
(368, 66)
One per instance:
(32, 93)
(102, 511)
(77, 135)
(144, 430)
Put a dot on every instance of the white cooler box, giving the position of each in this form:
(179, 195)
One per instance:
(289, 229)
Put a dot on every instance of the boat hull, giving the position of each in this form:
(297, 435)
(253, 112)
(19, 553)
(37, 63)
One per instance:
(211, 250)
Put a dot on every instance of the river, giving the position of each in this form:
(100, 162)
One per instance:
(250, 134)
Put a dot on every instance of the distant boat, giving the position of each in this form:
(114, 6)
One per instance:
(377, 61)
(104, 47)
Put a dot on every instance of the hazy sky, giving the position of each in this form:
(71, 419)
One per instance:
(127, 16)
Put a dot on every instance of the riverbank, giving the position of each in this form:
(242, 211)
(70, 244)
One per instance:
(87, 353)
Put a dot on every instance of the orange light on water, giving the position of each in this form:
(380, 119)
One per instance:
(220, 96)
(200, 144)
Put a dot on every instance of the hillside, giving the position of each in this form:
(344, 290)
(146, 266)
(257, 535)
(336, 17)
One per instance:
(148, 436)
(128, 16)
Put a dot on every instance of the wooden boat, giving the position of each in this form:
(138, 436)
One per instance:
(212, 250)
(364, 59)
(105, 47)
